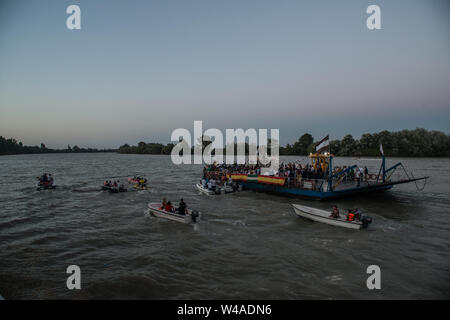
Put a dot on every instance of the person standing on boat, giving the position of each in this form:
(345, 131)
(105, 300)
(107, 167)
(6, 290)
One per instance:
(182, 207)
(352, 174)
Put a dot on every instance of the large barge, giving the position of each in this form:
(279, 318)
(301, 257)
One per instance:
(336, 184)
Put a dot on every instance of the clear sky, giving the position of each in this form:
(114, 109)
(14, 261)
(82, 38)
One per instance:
(139, 69)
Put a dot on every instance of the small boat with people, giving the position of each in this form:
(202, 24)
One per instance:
(138, 183)
(113, 187)
(118, 190)
(46, 182)
(211, 186)
(205, 190)
(181, 214)
(352, 220)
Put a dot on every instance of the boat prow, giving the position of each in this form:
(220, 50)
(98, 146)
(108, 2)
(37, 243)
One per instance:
(192, 216)
(323, 216)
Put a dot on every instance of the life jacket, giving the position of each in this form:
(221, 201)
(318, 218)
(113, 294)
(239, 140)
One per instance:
(350, 216)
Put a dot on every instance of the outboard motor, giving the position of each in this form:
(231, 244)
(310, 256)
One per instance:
(194, 216)
(366, 221)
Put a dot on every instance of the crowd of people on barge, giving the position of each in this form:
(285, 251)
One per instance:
(295, 173)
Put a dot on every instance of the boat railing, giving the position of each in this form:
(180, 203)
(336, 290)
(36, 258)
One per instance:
(336, 183)
(306, 184)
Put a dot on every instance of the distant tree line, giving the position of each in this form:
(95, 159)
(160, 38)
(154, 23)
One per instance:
(12, 146)
(406, 143)
(147, 148)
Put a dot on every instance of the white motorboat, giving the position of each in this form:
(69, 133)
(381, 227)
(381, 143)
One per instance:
(219, 189)
(206, 190)
(324, 217)
(192, 216)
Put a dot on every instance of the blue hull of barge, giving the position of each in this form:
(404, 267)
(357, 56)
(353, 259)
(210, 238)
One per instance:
(310, 194)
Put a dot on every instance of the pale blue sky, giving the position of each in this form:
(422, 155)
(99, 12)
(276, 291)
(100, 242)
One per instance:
(139, 69)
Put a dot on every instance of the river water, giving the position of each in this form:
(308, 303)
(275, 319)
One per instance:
(249, 246)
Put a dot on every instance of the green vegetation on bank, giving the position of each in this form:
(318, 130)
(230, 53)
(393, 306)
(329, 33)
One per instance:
(406, 143)
(11, 146)
(147, 148)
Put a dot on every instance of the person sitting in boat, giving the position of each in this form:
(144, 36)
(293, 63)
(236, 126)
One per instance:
(44, 180)
(209, 184)
(182, 207)
(163, 205)
(115, 184)
(213, 184)
(50, 180)
(350, 215)
(169, 207)
(335, 212)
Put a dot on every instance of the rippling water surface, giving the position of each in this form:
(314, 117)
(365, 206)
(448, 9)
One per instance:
(250, 245)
